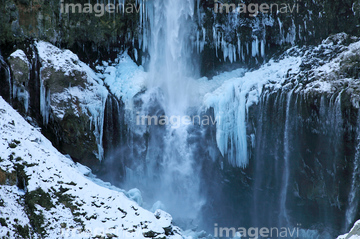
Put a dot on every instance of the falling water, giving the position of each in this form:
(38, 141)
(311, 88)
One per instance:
(353, 200)
(170, 51)
(286, 174)
(169, 173)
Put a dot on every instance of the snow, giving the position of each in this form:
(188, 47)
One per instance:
(101, 209)
(351, 51)
(125, 79)
(320, 86)
(232, 100)
(327, 76)
(354, 232)
(61, 60)
(20, 54)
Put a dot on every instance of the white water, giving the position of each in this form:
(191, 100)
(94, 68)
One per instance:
(171, 74)
(353, 200)
(286, 174)
(171, 51)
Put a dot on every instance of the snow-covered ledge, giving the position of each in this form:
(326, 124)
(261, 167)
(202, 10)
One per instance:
(354, 232)
(44, 194)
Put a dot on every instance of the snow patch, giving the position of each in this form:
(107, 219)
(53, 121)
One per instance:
(125, 79)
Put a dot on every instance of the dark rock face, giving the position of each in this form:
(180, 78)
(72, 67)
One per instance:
(296, 23)
(128, 144)
(117, 151)
(5, 80)
(91, 37)
(307, 157)
(94, 38)
(74, 137)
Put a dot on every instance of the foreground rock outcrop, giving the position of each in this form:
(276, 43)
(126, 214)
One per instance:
(43, 194)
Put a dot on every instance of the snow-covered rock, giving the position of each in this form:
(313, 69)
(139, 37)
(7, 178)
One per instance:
(44, 194)
(124, 78)
(73, 98)
(64, 96)
(354, 232)
(20, 67)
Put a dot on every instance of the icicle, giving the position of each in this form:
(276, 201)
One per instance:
(44, 102)
(291, 35)
(232, 127)
(255, 47)
(197, 42)
(203, 40)
(223, 47)
(215, 41)
(262, 48)
(136, 54)
(234, 52)
(239, 47)
(281, 33)
(99, 130)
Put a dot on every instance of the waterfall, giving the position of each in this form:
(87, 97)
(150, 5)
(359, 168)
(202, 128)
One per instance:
(114, 134)
(167, 171)
(171, 70)
(286, 173)
(353, 200)
(170, 51)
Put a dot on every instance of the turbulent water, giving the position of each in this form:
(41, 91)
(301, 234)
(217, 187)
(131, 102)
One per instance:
(169, 173)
